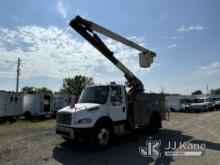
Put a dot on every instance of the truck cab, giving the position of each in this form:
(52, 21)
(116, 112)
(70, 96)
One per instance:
(215, 101)
(201, 105)
(99, 103)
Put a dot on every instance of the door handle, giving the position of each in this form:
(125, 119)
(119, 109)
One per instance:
(123, 109)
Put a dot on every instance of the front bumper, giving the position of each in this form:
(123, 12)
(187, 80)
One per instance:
(74, 133)
(65, 131)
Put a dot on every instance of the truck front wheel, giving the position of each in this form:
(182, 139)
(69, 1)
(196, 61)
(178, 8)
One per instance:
(102, 136)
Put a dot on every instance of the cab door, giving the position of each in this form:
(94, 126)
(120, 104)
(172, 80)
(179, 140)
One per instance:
(117, 103)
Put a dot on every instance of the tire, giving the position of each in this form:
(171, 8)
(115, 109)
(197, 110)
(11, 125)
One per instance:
(155, 124)
(102, 137)
(211, 109)
(27, 115)
(11, 119)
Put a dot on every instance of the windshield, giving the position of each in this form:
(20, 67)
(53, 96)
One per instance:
(96, 94)
(201, 100)
(215, 99)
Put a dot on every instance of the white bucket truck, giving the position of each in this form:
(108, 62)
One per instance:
(107, 110)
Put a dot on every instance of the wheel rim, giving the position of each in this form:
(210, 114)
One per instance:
(103, 136)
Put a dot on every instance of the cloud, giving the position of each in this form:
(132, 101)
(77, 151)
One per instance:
(172, 46)
(209, 70)
(15, 18)
(183, 28)
(54, 53)
(174, 38)
(164, 16)
(165, 37)
(61, 9)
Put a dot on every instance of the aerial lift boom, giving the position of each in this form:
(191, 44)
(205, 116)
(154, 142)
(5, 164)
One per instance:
(86, 29)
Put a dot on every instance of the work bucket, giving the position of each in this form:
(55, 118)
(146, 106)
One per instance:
(145, 60)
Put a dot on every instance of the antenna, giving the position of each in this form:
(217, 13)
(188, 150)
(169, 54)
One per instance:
(18, 74)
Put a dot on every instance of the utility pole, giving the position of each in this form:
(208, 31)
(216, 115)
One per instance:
(18, 74)
(207, 88)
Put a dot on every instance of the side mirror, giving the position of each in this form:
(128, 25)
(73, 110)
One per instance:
(72, 101)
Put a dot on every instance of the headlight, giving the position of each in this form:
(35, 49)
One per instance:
(84, 121)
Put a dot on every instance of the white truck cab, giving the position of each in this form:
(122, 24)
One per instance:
(215, 99)
(201, 105)
(106, 103)
(95, 102)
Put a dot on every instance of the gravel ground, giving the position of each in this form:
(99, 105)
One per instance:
(25, 142)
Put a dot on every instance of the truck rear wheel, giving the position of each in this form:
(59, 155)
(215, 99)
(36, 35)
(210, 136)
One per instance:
(155, 124)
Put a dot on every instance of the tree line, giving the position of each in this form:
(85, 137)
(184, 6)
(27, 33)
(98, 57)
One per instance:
(212, 91)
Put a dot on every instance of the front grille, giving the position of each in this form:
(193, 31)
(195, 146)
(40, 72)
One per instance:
(64, 118)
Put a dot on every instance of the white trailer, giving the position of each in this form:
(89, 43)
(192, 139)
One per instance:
(60, 101)
(37, 105)
(11, 104)
(173, 102)
(178, 102)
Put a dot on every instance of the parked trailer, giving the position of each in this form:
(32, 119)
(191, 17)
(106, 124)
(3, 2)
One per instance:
(173, 102)
(61, 101)
(11, 104)
(177, 102)
(37, 105)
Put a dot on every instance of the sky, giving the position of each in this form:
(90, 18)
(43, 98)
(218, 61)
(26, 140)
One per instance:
(184, 34)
